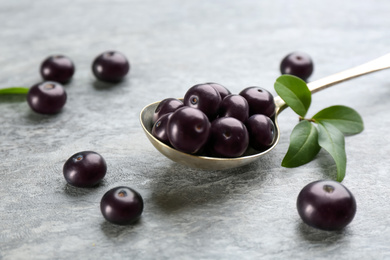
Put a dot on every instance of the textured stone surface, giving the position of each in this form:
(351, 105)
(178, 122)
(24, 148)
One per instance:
(245, 213)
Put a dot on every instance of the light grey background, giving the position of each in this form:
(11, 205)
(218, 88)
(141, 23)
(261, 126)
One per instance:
(245, 213)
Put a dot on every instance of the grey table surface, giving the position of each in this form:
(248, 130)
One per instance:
(244, 213)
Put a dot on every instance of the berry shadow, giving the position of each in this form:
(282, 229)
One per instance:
(317, 236)
(113, 231)
(72, 191)
(13, 98)
(101, 85)
(179, 188)
(36, 118)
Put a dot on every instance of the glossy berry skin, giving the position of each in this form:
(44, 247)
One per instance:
(47, 98)
(261, 131)
(229, 137)
(326, 205)
(298, 64)
(58, 68)
(234, 106)
(205, 98)
(110, 66)
(167, 105)
(121, 205)
(222, 90)
(260, 101)
(188, 129)
(85, 169)
(159, 129)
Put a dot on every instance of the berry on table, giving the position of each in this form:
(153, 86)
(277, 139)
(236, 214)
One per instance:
(46, 98)
(298, 64)
(110, 66)
(121, 205)
(326, 205)
(58, 68)
(85, 169)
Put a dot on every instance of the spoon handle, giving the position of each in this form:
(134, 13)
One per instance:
(378, 64)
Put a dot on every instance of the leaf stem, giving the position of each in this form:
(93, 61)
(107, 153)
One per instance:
(14, 90)
(301, 118)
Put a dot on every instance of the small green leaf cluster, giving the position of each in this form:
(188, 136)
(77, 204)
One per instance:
(326, 129)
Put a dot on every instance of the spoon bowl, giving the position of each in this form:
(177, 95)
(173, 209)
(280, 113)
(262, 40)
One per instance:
(251, 155)
(196, 161)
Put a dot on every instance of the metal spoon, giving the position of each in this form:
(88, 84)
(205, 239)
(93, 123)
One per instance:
(213, 163)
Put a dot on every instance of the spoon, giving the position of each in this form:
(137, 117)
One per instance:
(251, 155)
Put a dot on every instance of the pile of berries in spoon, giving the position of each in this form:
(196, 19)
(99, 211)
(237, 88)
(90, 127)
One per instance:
(211, 120)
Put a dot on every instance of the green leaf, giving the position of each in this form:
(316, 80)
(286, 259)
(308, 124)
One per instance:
(332, 140)
(14, 90)
(344, 118)
(294, 92)
(303, 145)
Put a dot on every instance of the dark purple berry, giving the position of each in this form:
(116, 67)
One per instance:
(167, 105)
(188, 129)
(234, 106)
(110, 66)
(58, 68)
(262, 131)
(222, 90)
(228, 137)
(326, 205)
(159, 129)
(85, 169)
(46, 98)
(205, 98)
(298, 64)
(121, 205)
(260, 101)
